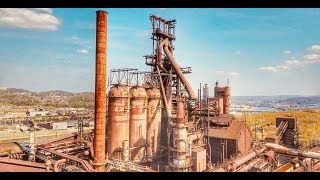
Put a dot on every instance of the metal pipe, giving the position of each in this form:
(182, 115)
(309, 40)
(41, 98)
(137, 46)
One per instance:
(100, 91)
(284, 150)
(164, 94)
(250, 165)
(180, 74)
(180, 112)
(57, 163)
(242, 160)
(165, 43)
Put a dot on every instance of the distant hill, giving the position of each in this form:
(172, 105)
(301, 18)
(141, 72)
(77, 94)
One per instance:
(55, 98)
(302, 100)
(16, 90)
(55, 93)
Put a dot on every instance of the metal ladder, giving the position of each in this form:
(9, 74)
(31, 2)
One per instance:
(281, 129)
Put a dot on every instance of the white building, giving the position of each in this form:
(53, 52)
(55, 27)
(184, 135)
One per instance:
(33, 113)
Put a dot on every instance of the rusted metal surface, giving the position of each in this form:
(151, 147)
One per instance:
(153, 123)
(57, 164)
(164, 96)
(294, 152)
(9, 148)
(45, 119)
(180, 112)
(181, 76)
(229, 141)
(239, 161)
(138, 123)
(242, 160)
(100, 91)
(84, 164)
(69, 138)
(12, 165)
(199, 157)
(232, 131)
(250, 165)
(224, 93)
(181, 149)
(125, 151)
(118, 119)
(129, 166)
(226, 100)
(288, 167)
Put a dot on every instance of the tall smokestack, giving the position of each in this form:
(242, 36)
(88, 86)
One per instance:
(100, 92)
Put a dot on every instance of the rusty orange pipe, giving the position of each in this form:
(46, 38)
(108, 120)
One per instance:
(100, 91)
(180, 112)
(57, 163)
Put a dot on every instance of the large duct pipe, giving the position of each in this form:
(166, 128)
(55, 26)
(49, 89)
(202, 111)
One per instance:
(183, 79)
(294, 152)
(242, 160)
(100, 92)
(165, 44)
(250, 165)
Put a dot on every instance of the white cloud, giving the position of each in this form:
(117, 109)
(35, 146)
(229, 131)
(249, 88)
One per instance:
(293, 63)
(311, 57)
(280, 68)
(268, 69)
(75, 38)
(39, 18)
(82, 51)
(163, 9)
(315, 49)
(287, 52)
(228, 74)
(47, 10)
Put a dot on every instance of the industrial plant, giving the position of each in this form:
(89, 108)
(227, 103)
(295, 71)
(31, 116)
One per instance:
(154, 121)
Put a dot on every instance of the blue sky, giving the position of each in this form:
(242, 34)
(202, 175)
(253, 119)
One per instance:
(261, 51)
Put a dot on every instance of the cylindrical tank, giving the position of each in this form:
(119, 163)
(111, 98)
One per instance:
(205, 93)
(153, 123)
(138, 123)
(118, 121)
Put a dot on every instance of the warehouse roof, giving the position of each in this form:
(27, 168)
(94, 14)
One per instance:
(232, 131)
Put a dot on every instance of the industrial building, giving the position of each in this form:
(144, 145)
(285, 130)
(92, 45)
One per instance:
(154, 121)
(228, 138)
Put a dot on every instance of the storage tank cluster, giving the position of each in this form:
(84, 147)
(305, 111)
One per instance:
(134, 123)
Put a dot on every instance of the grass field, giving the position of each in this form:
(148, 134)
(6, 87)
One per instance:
(308, 124)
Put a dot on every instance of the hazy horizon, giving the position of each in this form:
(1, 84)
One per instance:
(211, 94)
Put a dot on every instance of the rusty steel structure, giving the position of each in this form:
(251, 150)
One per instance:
(284, 150)
(45, 119)
(223, 94)
(138, 123)
(180, 147)
(151, 121)
(100, 91)
(118, 119)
